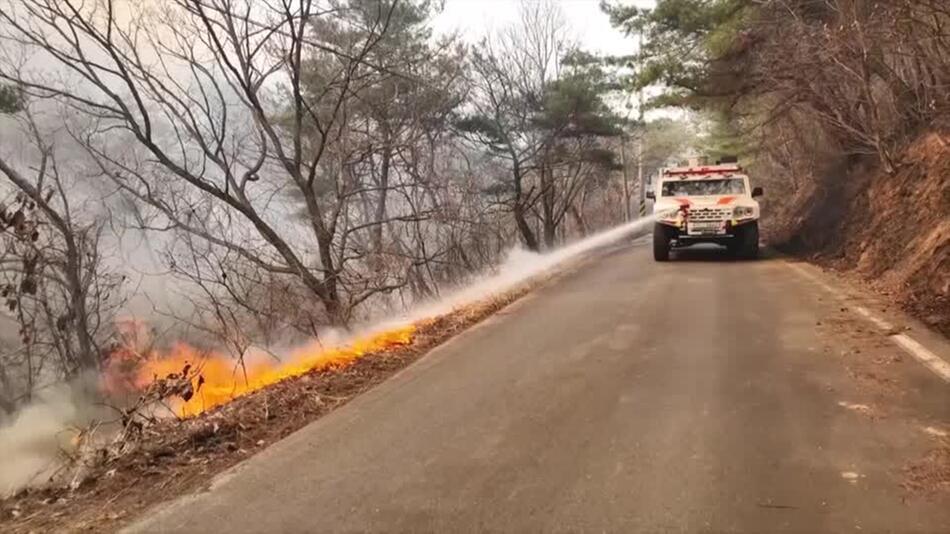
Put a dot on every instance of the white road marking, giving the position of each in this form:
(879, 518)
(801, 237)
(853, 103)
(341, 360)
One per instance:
(923, 355)
(935, 432)
(860, 408)
(907, 343)
(880, 323)
(851, 476)
(804, 272)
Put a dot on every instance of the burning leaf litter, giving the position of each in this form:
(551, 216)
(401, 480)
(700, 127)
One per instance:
(192, 382)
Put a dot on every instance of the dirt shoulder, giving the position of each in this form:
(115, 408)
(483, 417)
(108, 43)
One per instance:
(180, 457)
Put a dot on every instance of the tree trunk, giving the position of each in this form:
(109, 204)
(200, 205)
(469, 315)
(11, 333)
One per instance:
(548, 221)
(331, 294)
(527, 235)
(7, 405)
(380, 214)
(578, 219)
(88, 353)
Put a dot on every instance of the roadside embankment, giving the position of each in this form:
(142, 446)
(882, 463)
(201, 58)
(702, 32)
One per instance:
(892, 230)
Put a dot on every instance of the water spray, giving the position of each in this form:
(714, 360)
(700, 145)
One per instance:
(520, 267)
(30, 441)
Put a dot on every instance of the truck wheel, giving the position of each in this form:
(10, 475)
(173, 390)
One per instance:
(661, 243)
(733, 246)
(749, 241)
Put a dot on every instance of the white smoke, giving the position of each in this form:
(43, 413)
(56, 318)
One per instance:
(31, 444)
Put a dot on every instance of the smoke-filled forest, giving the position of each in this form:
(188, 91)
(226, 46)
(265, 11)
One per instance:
(249, 174)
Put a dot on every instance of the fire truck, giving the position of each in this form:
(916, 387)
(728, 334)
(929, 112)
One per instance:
(705, 204)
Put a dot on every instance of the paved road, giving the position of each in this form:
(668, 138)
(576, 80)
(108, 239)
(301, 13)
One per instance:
(698, 395)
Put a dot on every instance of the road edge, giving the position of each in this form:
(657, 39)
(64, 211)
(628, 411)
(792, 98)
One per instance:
(931, 350)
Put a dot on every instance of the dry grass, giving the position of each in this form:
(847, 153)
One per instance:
(931, 474)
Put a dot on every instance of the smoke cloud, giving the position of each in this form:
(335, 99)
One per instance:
(31, 444)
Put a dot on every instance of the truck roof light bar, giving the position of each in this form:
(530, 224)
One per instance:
(705, 170)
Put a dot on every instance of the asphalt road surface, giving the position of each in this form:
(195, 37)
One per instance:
(700, 395)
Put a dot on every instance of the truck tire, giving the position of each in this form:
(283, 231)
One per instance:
(749, 241)
(661, 243)
(733, 246)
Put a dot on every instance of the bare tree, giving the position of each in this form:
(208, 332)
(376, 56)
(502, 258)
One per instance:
(55, 284)
(211, 98)
(306, 148)
(538, 107)
(510, 76)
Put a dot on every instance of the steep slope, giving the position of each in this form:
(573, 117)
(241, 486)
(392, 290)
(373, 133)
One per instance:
(891, 229)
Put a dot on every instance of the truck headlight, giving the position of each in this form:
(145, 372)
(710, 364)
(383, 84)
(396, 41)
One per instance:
(743, 212)
(670, 215)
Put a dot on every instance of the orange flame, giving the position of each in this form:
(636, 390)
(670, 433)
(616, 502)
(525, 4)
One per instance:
(225, 380)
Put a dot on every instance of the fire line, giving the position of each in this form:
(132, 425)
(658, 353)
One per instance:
(223, 379)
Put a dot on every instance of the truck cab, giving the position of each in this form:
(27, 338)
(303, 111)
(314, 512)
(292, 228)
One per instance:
(705, 204)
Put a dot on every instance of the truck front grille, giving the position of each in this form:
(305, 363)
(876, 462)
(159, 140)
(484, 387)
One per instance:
(710, 214)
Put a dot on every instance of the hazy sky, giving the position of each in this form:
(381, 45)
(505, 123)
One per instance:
(590, 26)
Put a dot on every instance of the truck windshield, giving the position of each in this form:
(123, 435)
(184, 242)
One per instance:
(696, 188)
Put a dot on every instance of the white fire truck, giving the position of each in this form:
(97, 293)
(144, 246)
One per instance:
(705, 204)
